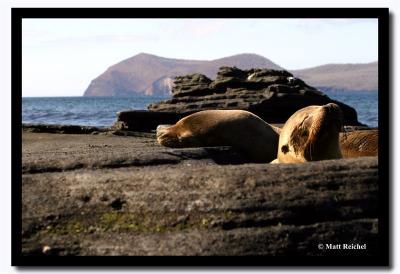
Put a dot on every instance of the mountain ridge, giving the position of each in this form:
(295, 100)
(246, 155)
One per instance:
(149, 74)
(350, 76)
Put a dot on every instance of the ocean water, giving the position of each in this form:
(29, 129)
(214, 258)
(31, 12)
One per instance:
(101, 111)
(364, 102)
(88, 111)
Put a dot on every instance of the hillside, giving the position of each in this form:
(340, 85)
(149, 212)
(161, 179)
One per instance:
(355, 77)
(153, 75)
(146, 74)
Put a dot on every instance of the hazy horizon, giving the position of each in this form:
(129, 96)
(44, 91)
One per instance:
(61, 56)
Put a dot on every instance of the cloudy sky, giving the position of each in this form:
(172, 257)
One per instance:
(61, 56)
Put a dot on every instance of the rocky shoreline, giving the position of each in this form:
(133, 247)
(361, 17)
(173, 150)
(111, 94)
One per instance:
(116, 191)
(104, 194)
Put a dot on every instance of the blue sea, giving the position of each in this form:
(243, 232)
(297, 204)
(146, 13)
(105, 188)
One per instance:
(364, 102)
(101, 111)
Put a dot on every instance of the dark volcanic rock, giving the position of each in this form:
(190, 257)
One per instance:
(229, 77)
(194, 84)
(274, 95)
(130, 196)
(62, 152)
(142, 120)
(66, 129)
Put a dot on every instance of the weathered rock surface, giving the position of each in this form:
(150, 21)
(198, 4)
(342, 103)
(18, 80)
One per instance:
(67, 129)
(274, 95)
(142, 120)
(52, 152)
(113, 195)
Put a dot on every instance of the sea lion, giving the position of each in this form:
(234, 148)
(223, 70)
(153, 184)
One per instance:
(245, 132)
(311, 134)
(359, 143)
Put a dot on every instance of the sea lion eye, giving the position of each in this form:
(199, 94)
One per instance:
(285, 149)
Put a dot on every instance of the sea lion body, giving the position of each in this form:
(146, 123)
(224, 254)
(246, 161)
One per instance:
(359, 143)
(244, 131)
(311, 134)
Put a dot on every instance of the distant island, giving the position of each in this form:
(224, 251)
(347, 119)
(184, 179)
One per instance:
(343, 77)
(147, 74)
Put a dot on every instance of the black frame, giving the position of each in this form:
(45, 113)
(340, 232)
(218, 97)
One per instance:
(382, 14)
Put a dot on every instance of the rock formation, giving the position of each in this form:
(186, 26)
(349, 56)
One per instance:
(147, 74)
(274, 95)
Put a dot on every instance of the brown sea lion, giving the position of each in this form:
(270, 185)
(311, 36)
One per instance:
(244, 131)
(311, 134)
(359, 143)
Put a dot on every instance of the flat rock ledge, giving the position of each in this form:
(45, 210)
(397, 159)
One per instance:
(85, 194)
(63, 129)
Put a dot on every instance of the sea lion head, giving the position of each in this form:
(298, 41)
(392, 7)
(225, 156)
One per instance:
(176, 136)
(166, 136)
(311, 134)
